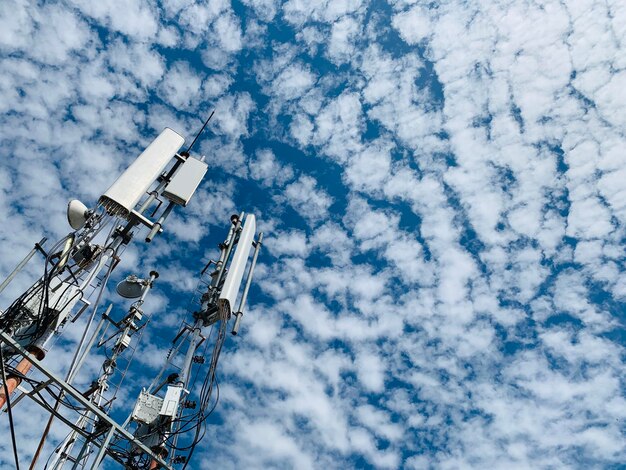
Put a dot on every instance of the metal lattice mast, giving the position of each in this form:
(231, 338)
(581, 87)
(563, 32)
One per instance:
(122, 335)
(164, 413)
(77, 270)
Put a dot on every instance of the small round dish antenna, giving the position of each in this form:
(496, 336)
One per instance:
(77, 214)
(131, 288)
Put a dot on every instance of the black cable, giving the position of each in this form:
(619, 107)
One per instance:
(196, 422)
(206, 392)
(9, 411)
(39, 322)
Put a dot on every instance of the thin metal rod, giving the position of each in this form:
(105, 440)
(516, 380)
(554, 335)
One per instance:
(81, 454)
(193, 346)
(157, 226)
(85, 353)
(244, 296)
(71, 373)
(10, 411)
(44, 436)
(152, 196)
(199, 133)
(22, 263)
(76, 395)
(103, 449)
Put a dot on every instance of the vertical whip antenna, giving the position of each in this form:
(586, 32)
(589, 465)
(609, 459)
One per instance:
(186, 152)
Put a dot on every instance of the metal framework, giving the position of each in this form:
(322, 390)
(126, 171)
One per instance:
(132, 323)
(109, 427)
(77, 270)
(164, 413)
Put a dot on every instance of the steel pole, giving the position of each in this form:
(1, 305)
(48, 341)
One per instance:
(84, 402)
(246, 289)
(22, 263)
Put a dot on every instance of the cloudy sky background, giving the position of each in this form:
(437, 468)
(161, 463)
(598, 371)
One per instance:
(442, 188)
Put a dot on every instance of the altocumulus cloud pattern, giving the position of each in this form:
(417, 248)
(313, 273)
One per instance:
(442, 188)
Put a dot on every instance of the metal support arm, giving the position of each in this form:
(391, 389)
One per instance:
(76, 395)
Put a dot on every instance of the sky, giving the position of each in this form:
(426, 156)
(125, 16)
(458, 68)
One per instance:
(441, 188)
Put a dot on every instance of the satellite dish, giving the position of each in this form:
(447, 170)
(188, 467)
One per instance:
(131, 288)
(77, 214)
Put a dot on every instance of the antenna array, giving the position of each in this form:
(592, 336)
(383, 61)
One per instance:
(169, 418)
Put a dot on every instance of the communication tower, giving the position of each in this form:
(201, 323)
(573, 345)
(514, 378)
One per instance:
(76, 272)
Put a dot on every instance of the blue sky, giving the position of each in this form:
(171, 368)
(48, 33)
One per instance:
(441, 186)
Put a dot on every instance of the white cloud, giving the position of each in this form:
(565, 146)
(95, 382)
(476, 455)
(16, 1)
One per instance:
(310, 201)
(228, 32)
(134, 18)
(281, 446)
(231, 115)
(341, 45)
(338, 126)
(457, 276)
(413, 25)
(299, 12)
(136, 59)
(370, 371)
(215, 85)
(181, 87)
(293, 243)
(368, 170)
(293, 82)
(265, 9)
(266, 168)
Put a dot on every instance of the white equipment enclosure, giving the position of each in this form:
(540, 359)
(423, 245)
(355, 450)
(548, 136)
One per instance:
(185, 181)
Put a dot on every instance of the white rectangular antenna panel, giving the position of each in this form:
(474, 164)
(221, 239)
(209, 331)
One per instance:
(185, 181)
(124, 194)
(228, 296)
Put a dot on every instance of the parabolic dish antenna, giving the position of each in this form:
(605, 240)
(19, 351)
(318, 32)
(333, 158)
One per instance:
(77, 214)
(131, 288)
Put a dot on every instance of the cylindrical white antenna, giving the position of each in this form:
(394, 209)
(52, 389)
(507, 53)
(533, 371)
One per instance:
(246, 289)
(228, 296)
